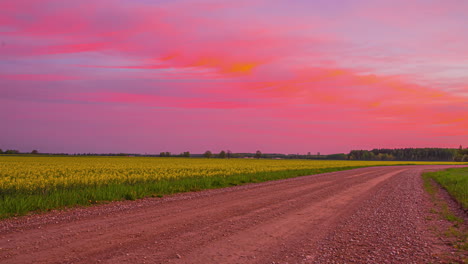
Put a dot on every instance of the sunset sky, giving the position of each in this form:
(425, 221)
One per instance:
(145, 76)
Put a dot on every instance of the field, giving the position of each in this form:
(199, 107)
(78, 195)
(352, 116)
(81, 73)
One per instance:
(42, 183)
(455, 181)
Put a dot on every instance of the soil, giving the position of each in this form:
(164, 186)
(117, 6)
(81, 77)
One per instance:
(367, 215)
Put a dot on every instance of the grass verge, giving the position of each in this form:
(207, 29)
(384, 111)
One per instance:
(18, 204)
(455, 181)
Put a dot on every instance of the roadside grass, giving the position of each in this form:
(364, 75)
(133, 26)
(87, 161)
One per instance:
(455, 181)
(20, 203)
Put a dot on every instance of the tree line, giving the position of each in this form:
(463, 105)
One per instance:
(14, 151)
(411, 154)
(462, 154)
(208, 154)
(400, 154)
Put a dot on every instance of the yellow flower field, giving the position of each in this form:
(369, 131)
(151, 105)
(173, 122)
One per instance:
(38, 173)
(38, 183)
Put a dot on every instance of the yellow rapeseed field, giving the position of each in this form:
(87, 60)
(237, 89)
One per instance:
(30, 174)
(39, 183)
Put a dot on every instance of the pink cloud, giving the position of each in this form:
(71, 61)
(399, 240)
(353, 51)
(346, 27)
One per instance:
(257, 73)
(35, 77)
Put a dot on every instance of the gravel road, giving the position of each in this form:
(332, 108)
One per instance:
(368, 215)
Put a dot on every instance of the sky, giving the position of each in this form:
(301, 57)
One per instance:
(146, 76)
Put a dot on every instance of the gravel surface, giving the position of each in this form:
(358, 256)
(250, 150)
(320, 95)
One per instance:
(368, 215)
(389, 228)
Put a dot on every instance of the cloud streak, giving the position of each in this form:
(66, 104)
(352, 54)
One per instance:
(345, 73)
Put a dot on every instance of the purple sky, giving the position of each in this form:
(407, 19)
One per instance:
(147, 76)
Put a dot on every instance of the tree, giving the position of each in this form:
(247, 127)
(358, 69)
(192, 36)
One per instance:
(1, 151)
(162, 154)
(229, 154)
(208, 154)
(258, 154)
(11, 151)
(429, 154)
(464, 158)
(167, 154)
(186, 154)
(35, 152)
(222, 154)
(339, 156)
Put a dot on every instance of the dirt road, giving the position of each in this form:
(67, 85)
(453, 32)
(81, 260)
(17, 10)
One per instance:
(368, 215)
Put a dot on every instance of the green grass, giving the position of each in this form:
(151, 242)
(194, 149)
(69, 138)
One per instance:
(455, 181)
(22, 203)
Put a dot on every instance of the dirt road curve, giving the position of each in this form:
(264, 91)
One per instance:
(369, 215)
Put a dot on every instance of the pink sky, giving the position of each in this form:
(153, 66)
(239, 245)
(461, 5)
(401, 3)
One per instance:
(145, 76)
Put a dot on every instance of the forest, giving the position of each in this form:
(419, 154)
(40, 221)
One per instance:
(411, 154)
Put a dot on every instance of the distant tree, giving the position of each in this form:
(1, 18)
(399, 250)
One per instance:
(258, 154)
(229, 154)
(35, 151)
(465, 158)
(11, 151)
(186, 154)
(382, 156)
(339, 156)
(222, 154)
(162, 154)
(208, 154)
(1, 151)
(167, 154)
